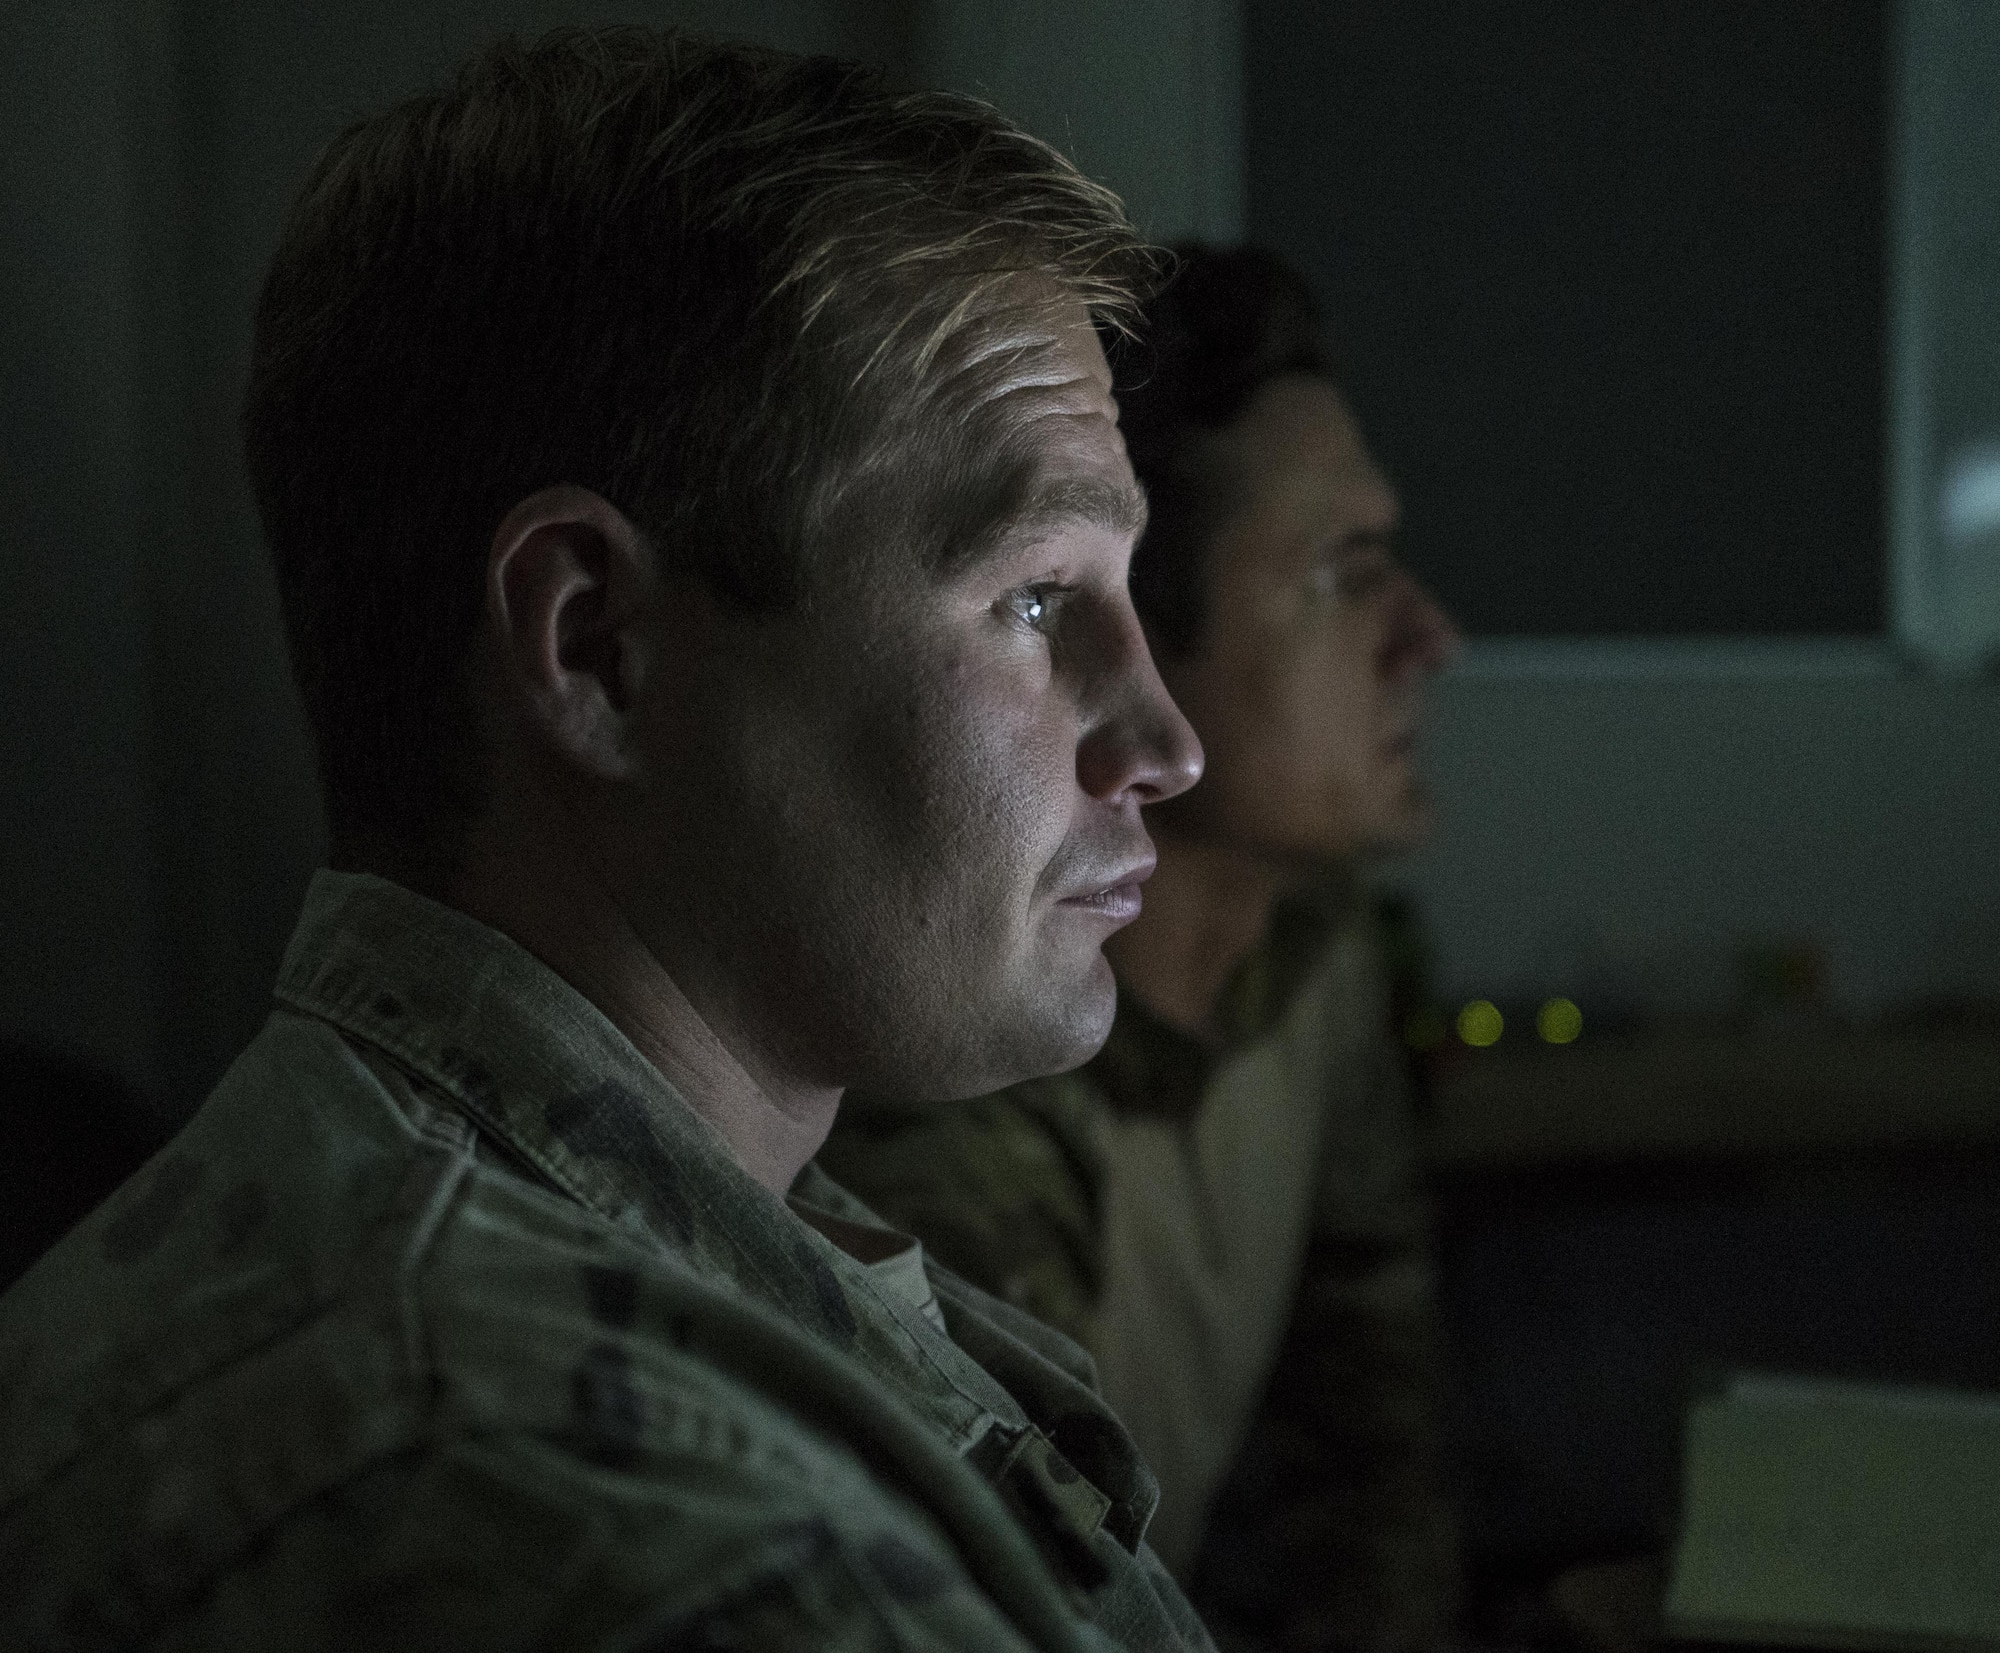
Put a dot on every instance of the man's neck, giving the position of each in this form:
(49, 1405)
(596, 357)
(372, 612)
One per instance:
(573, 924)
(1206, 909)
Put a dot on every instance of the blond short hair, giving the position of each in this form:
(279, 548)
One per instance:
(711, 282)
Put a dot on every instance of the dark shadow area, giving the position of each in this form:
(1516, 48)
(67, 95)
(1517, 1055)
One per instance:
(1588, 1304)
(1610, 285)
(70, 1134)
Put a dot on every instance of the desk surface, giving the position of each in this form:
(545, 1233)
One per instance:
(1713, 1095)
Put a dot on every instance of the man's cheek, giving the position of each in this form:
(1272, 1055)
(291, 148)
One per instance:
(1005, 757)
(1038, 786)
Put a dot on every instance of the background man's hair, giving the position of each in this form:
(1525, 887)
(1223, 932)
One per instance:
(1225, 324)
(718, 285)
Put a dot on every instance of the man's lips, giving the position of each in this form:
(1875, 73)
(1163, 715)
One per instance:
(1116, 897)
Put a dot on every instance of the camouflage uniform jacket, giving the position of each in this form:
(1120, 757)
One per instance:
(1329, 1524)
(446, 1324)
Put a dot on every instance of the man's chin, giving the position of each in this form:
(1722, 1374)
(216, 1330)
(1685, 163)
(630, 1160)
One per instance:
(983, 1039)
(1404, 820)
(1095, 1002)
(1060, 1023)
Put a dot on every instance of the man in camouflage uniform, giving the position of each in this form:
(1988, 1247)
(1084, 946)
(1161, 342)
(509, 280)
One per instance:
(1223, 1205)
(702, 526)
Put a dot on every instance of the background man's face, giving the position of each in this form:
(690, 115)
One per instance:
(893, 828)
(1306, 685)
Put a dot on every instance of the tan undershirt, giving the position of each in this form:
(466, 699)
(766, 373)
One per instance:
(895, 1262)
(1205, 1221)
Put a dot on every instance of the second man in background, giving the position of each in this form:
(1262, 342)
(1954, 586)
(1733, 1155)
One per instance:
(1223, 1206)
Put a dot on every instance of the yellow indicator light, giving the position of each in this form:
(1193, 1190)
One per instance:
(1559, 1021)
(1424, 1029)
(1480, 1024)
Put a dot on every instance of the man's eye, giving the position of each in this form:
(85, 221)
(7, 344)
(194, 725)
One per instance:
(1036, 606)
(1352, 578)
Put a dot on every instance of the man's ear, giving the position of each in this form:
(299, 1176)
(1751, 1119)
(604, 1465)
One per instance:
(569, 581)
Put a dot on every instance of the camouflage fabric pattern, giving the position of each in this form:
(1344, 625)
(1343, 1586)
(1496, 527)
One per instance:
(1006, 1189)
(446, 1324)
(1334, 1528)
(1003, 1190)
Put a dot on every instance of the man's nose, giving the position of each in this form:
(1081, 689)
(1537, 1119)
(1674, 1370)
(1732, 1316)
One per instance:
(1424, 636)
(1139, 748)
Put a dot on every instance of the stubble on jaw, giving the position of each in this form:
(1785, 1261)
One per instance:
(915, 924)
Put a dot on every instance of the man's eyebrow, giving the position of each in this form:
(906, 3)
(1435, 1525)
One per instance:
(1117, 508)
(1368, 539)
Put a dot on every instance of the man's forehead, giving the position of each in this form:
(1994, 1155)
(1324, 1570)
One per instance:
(1075, 472)
(1302, 450)
(1027, 372)
(1054, 489)
(1034, 349)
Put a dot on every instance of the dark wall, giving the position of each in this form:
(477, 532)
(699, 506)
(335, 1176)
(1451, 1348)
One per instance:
(160, 815)
(1609, 279)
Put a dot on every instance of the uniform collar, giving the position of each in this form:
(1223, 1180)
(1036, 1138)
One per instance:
(560, 1091)
(476, 1016)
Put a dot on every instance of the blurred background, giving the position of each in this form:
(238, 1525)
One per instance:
(1678, 326)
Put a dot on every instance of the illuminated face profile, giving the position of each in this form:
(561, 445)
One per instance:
(1307, 682)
